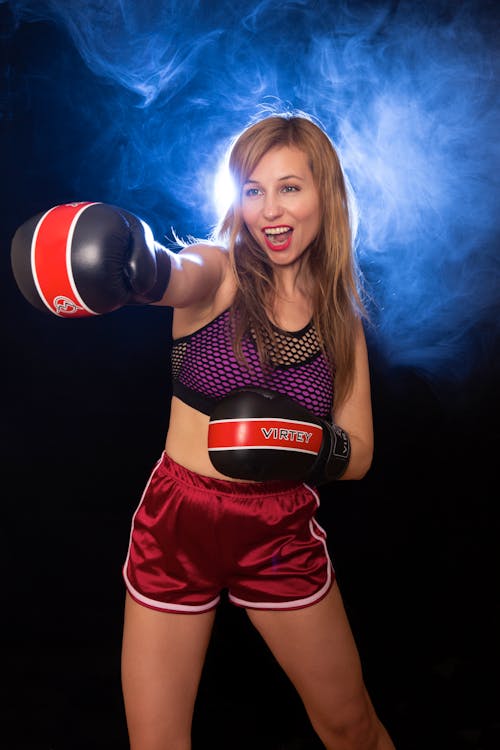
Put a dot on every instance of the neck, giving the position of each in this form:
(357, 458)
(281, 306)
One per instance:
(292, 305)
(292, 282)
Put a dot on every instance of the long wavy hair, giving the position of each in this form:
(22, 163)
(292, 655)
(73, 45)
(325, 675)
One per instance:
(329, 262)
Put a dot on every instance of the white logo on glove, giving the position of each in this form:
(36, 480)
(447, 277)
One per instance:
(288, 435)
(65, 306)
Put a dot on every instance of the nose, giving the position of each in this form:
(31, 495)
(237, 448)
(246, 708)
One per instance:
(272, 207)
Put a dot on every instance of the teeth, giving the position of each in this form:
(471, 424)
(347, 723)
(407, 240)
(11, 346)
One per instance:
(277, 230)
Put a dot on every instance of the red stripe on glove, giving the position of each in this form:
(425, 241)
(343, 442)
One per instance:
(280, 434)
(51, 261)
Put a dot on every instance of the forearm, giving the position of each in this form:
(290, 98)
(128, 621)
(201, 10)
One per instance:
(360, 459)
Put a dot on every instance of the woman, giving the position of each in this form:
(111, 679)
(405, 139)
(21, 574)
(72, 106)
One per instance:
(266, 315)
(286, 260)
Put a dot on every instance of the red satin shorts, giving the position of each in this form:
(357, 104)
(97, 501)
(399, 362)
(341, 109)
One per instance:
(193, 537)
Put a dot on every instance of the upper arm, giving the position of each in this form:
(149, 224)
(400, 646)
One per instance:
(354, 414)
(196, 274)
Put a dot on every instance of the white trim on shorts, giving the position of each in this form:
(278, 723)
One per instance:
(198, 608)
(146, 601)
(152, 603)
(308, 600)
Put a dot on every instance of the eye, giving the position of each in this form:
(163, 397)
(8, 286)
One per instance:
(290, 188)
(252, 192)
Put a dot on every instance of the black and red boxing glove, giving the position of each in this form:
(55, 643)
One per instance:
(259, 435)
(82, 259)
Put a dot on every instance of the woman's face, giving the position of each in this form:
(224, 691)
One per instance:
(280, 205)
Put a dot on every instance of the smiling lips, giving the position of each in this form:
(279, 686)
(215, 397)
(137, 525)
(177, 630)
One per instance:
(278, 238)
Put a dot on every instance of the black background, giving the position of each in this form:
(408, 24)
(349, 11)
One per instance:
(85, 408)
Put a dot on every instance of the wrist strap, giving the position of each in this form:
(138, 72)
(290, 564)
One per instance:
(334, 456)
(163, 270)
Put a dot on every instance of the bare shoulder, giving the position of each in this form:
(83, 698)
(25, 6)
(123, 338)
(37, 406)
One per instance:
(208, 251)
(206, 287)
(202, 257)
(359, 333)
(198, 272)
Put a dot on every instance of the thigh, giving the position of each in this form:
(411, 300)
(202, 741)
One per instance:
(162, 660)
(316, 648)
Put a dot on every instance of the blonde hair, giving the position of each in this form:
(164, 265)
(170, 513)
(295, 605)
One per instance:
(330, 261)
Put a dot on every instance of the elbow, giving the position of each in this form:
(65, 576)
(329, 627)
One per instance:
(359, 465)
(360, 470)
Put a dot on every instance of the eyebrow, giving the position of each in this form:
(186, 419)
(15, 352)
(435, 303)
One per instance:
(280, 179)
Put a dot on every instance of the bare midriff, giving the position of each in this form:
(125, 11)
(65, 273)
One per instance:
(187, 440)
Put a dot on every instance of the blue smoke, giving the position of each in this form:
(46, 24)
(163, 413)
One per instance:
(406, 90)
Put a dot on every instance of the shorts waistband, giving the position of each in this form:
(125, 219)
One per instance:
(226, 486)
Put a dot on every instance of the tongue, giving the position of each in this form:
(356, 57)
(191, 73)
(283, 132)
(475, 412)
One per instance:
(279, 239)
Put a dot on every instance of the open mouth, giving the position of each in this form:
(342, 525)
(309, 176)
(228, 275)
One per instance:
(278, 238)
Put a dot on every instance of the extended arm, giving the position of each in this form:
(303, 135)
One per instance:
(83, 259)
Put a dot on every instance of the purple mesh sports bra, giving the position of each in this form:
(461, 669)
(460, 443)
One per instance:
(205, 369)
